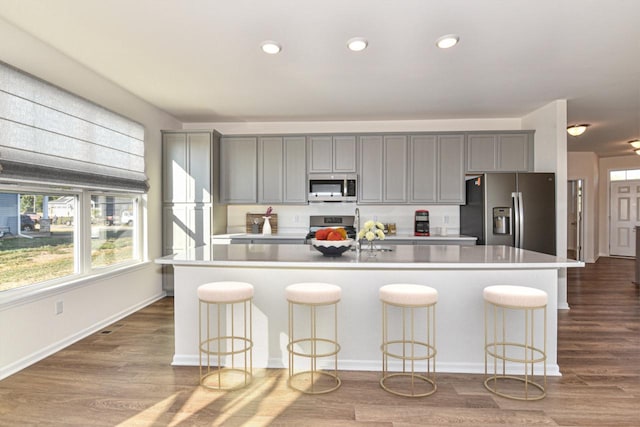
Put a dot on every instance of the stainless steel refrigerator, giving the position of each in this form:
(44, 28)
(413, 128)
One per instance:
(514, 209)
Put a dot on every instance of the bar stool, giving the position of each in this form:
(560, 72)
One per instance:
(221, 300)
(412, 346)
(313, 297)
(502, 304)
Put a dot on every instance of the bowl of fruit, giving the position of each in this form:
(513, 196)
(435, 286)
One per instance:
(331, 241)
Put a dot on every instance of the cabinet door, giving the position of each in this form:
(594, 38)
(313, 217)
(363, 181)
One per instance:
(238, 169)
(320, 154)
(199, 182)
(270, 170)
(175, 166)
(513, 152)
(295, 171)
(423, 168)
(451, 187)
(371, 149)
(186, 167)
(344, 154)
(395, 169)
(481, 153)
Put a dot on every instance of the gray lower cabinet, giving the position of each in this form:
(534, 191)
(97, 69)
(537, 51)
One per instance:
(328, 154)
(383, 169)
(281, 170)
(238, 169)
(500, 152)
(436, 169)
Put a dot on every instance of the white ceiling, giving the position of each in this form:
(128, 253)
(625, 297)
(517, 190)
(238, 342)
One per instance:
(200, 61)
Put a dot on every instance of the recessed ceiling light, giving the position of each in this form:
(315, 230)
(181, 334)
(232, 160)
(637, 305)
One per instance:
(445, 42)
(270, 47)
(635, 143)
(357, 44)
(577, 130)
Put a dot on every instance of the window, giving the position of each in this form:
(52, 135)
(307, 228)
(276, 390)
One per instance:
(41, 235)
(113, 226)
(624, 175)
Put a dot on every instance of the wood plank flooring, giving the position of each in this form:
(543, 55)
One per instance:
(122, 376)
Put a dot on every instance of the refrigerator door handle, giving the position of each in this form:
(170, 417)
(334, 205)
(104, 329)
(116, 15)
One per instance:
(516, 220)
(521, 219)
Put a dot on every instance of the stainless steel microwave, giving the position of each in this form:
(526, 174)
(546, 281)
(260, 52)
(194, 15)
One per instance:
(333, 187)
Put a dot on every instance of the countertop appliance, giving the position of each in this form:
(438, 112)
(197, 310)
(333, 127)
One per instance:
(514, 209)
(317, 222)
(332, 187)
(421, 223)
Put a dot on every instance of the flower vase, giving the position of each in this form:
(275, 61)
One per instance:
(372, 250)
(266, 227)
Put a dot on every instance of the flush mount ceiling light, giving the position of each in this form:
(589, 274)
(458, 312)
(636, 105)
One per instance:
(637, 152)
(577, 130)
(357, 44)
(270, 47)
(445, 42)
(635, 143)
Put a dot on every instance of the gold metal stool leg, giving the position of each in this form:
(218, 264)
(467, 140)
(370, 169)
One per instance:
(502, 350)
(312, 381)
(418, 350)
(226, 347)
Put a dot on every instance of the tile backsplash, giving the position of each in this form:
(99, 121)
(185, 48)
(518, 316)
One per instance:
(295, 218)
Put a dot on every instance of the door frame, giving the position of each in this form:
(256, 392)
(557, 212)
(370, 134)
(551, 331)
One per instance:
(579, 203)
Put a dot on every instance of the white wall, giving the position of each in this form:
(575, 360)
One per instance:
(606, 165)
(584, 165)
(550, 124)
(34, 330)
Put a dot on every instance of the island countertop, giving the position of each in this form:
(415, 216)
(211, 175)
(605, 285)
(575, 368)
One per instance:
(427, 257)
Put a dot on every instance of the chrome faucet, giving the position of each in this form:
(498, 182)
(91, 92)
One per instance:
(356, 225)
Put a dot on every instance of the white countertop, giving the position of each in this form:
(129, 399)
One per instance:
(301, 235)
(420, 257)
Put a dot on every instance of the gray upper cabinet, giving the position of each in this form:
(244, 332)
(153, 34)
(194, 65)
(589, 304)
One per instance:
(383, 169)
(295, 170)
(281, 170)
(436, 169)
(451, 187)
(423, 174)
(328, 154)
(370, 184)
(186, 166)
(500, 152)
(238, 169)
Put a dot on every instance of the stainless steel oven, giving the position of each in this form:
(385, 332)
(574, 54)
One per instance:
(333, 188)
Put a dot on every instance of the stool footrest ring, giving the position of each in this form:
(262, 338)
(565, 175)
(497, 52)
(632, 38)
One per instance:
(527, 381)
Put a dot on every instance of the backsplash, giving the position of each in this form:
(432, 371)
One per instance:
(295, 218)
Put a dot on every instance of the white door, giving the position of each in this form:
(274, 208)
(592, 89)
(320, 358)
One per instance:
(624, 217)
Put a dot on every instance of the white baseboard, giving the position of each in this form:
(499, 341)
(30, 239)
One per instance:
(376, 366)
(29, 360)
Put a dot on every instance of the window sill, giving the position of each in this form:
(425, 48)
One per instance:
(31, 293)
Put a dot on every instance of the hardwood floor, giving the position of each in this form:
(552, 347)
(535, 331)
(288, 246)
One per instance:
(122, 376)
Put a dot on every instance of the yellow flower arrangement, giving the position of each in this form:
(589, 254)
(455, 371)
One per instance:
(372, 230)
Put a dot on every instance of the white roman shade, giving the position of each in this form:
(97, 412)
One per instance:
(50, 135)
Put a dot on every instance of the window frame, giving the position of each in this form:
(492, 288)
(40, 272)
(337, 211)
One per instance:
(83, 272)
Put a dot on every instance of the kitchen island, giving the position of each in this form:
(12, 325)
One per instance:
(459, 273)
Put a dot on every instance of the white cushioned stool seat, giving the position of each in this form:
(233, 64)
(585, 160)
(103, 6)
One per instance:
(313, 293)
(408, 294)
(515, 296)
(225, 291)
